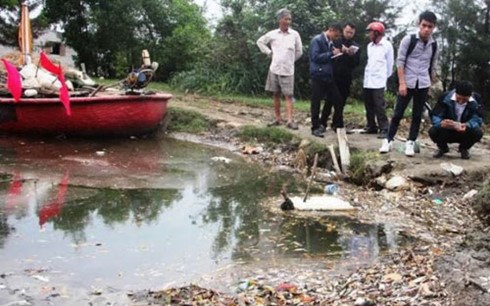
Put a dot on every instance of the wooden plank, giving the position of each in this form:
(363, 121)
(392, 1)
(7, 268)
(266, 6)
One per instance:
(343, 149)
(312, 176)
(334, 159)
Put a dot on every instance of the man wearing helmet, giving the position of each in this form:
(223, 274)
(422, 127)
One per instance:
(378, 69)
(417, 56)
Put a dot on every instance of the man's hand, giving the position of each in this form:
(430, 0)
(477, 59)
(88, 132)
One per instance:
(347, 50)
(453, 125)
(336, 51)
(402, 89)
(447, 124)
(460, 127)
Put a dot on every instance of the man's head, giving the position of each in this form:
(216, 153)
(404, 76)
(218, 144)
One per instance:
(284, 18)
(349, 31)
(464, 90)
(376, 31)
(334, 30)
(427, 24)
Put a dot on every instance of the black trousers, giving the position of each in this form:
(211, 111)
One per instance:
(327, 90)
(375, 104)
(343, 85)
(419, 97)
(466, 140)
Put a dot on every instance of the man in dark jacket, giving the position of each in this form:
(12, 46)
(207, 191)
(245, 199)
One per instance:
(344, 65)
(322, 83)
(456, 119)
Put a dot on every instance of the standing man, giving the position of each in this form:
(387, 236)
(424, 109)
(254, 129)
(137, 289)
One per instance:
(284, 46)
(457, 118)
(415, 66)
(322, 82)
(344, 65)
(378, 69)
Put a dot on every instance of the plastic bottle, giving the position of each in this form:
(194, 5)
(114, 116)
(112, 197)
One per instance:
(331, 189)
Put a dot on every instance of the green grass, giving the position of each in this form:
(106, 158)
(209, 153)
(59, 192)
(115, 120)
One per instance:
(188, 121)
(358, 163)
(265, 134)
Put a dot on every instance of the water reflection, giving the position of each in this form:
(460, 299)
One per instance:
(143, 214)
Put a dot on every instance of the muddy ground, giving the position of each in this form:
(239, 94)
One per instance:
(449, 262)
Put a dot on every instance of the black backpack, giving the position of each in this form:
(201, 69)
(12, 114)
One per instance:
(411, 46)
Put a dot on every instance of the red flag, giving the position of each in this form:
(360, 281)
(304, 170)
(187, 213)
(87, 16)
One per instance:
(14, 81)
(64, 95)
(52, 209)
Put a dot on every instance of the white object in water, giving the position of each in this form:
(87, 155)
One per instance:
(324, 202)
(221, 159)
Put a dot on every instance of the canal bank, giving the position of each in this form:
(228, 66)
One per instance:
(435, 205)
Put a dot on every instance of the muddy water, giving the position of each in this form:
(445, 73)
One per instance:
(85, 218)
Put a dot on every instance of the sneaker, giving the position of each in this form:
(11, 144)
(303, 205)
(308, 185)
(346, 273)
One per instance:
(410, 148)
(318, 133)
(440, 152)
(322, 128)
(292, 126)
(465, 154)
(386, 146)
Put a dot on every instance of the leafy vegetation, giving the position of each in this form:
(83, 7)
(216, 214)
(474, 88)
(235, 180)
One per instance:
(108, 37)
(188, 121)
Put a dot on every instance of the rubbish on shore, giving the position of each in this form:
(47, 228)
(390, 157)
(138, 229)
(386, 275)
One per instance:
(343, 149)
(334, 159)
(324, 202)
(331, 189)
(312, 176)
(251, 150)
(396, 183)
(470, 194)
(452, 168)
(437, 201)
(287, 204)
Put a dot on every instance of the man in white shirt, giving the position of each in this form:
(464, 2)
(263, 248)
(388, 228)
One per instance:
(378, 69)
(284, 46)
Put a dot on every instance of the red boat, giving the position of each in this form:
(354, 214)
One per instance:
(99, 113)
(103, 114)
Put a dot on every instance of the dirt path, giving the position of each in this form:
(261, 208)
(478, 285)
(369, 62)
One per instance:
(422, 167)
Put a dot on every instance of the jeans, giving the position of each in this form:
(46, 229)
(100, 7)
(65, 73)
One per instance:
(419, 98)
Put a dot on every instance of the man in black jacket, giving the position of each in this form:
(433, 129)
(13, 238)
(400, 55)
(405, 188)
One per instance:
(456, 119)
(344, 65)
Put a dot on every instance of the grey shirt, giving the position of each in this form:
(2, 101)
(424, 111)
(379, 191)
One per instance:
(418, 62)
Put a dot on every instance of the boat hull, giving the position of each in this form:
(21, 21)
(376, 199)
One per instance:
(91, 116)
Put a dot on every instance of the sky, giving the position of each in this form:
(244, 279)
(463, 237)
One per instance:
(410, 12)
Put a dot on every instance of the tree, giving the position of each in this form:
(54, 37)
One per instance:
(233, 63)
(10, 19)
(465, 43)
(109, 35)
